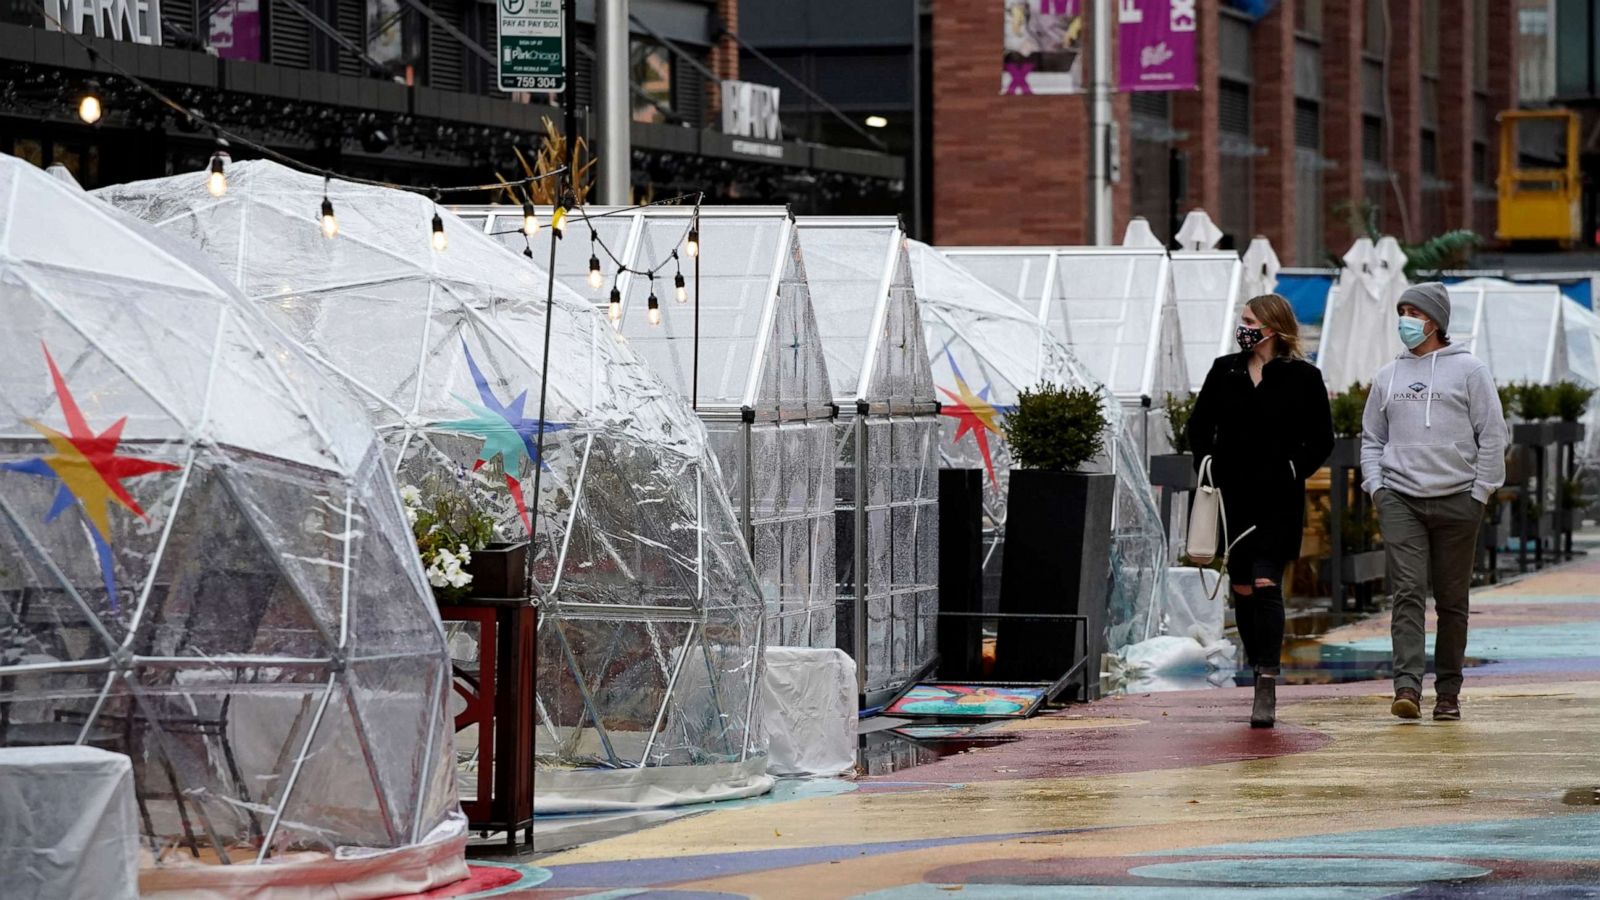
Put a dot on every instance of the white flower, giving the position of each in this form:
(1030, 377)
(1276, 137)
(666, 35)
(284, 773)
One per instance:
(464, 554)
(411, 515)
(460, 579)
(436, 577)
(411, 495)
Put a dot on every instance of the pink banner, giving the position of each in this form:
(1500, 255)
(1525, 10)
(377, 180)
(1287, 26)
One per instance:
(1044, 40)
(1156, 46)
(236, 30)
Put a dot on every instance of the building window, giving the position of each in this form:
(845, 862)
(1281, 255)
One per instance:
(1480, 44)
(1237, 169)
(1430, 152)
(1372, 140)
(1308, 124)
(1480, 166)
(1535, 56)
(395, 37)
(651, 72)
(1308, 17)
(1430, 37)
(1372, 38)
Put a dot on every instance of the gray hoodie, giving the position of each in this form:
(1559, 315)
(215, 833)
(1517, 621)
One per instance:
(1433, 427)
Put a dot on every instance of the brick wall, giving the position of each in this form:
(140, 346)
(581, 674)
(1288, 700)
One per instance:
(1402, 214)
(1196, 114)
(1343, 21)
(1502, 89)
(1006, 169)
(1455, 117)
(724, 56)
(1272, 127)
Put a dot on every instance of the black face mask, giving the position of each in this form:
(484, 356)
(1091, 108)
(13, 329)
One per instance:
(1248, 337)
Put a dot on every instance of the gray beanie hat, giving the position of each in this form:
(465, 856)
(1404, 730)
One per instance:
(1433, 299)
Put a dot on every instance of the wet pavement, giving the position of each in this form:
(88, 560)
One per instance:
(1171, 795)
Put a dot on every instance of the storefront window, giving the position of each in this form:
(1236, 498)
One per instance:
(651, 73)
(394, 37)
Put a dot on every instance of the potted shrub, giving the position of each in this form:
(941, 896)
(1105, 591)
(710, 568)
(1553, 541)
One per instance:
(1347, 408)
(1534, 404)
(1570, 401)
(1175, 471)
(460, 554)
(1058, 532)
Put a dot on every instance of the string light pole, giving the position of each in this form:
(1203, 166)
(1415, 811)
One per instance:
(557, 231)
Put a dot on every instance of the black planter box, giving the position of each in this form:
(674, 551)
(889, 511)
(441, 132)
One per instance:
(1368, 565)
(1057, 560)
(1566, 520)
(499, 570)
(1567, 432)
(1346, 454)
(1533, 434)
(961, 574)
(1173, 471)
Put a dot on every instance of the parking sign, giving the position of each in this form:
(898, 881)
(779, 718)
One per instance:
(531, 53)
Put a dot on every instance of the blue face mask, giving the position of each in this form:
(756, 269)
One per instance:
(1412, 332)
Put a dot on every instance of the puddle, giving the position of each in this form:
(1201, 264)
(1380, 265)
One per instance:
(1308, 661)
(1582, 796)
(886, 752)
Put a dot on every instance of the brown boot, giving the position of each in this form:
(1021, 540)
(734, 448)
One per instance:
(1407, 703)
(1447, 708)
(1265, 711)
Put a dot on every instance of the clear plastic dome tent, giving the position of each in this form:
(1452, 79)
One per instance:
(762, 386)
(204, 565)
(983, 350)
(639, 565)
(1208, 286)
(886, 446)
(1518, 328)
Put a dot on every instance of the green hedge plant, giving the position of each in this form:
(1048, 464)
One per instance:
(1570, 400)
(1056, 428)
(1535, 402)
(1348, 406)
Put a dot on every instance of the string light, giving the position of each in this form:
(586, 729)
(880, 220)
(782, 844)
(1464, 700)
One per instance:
(653, 305)
(89, 108)
(530, 221)
(217, 181)
(615, 310)
(330, 224)
(441, 242)
(691, 245)
(595, 278)
(679, 292)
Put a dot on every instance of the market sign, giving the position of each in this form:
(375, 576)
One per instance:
(138, 21)
(750, 111)
(1155, 45)
(531, 53)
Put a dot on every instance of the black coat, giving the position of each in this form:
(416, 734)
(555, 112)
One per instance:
(1265, 440)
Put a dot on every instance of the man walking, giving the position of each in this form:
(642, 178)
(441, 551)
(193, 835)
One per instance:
(1432, 452)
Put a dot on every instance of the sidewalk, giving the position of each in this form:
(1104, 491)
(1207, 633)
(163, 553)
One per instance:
(1170, 795)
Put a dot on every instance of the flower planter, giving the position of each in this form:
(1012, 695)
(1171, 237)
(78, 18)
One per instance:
(1057, 560)
(1533, 434)
(1173, 471)
(1567, 432)
(499, 570)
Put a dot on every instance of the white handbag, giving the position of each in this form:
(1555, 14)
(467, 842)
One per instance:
(1208, 522)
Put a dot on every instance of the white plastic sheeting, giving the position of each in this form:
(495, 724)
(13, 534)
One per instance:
(1113, 306)
(68, 826)
(984, 350)
(1208, 288)
(1261, 268)
(808, 711)
(1359, 328)
(1171, 663)
(1198, 232)
(1138, 234)
(887, 481)
(191, 514)
(758, 351)
(1516, 328)
(639, 562)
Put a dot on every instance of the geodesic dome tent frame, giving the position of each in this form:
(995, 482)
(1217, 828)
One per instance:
(1113, 306)
(1517, 328)
(983, 350)
(638, 568)
(204, 565)
(758, 379)
(1208, 286)
(887, 488)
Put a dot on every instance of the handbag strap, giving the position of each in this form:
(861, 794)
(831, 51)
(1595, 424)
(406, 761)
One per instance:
(1205, 480)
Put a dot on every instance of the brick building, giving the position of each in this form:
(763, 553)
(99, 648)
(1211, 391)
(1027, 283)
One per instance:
(1313, 105)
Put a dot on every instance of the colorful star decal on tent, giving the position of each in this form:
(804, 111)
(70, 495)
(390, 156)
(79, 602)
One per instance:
(89, 471)
(974, 412)
(505, 431)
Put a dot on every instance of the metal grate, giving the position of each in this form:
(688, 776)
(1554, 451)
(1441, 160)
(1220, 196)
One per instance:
(1233, 108)
(1307, 125)
(350, 18)
(444, 52)
(689, 94)
(1151, 105)
(288, 37)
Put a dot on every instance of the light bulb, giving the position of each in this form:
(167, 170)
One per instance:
(558, 221)
(595, 279)
(440, 241)
(616, 305)
(691, 245)
(217, 181)
(330, 225)
(654, 309)
(679, 292)
(530, 221)
(89, 107)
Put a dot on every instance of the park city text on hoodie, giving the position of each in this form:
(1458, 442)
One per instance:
(1433, 427)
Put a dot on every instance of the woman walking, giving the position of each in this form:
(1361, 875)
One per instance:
(1263, 417)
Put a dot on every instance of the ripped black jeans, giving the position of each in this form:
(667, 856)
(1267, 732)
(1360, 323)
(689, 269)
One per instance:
(1260, 614)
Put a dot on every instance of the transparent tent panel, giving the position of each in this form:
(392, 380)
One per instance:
(1521, 329)
(242, 508)
(983, 350)
(631, 524)
(1207, 288)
